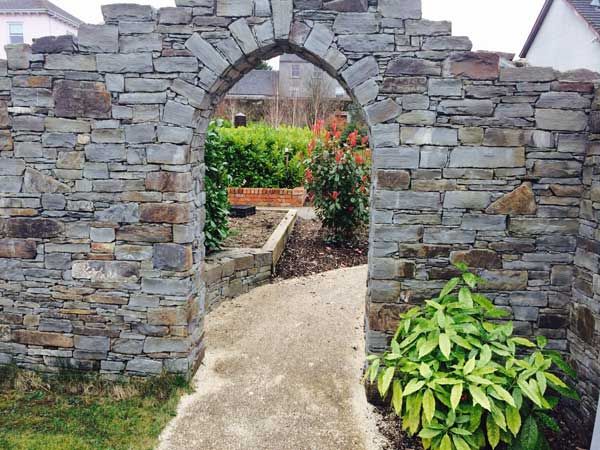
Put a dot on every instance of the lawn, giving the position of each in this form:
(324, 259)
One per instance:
(75, 413)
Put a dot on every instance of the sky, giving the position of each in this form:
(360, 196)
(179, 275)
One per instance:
(499, 25)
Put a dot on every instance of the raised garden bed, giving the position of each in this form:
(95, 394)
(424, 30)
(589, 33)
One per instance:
(253, 231)
(267, 197)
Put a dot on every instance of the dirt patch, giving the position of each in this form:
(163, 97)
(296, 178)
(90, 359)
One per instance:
(253, 231)
(306, 253)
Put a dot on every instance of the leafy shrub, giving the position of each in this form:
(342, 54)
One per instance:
(455, 378)
(338, 180)
(217, 180)
(264, 157)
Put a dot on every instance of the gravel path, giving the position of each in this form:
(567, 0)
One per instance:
(282, 371)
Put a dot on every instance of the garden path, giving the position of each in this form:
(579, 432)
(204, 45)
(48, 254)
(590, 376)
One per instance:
(282, 371)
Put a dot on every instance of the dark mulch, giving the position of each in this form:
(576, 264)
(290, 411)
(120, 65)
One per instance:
(391, 427)
(252, 231)
(306, 252)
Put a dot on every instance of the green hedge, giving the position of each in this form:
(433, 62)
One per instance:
(264, 157)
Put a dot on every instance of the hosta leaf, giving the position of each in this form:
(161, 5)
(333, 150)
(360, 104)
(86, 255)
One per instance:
(464, 296)
(412, 386)
(485, 356)
(469, 366)
(522, 342)
(504, 395)
(429, 433)
(429, 346)
(445, 345)
(513, 420)
(479, 380)
(461, 341)
(449, 287)
(493, 432)
(553, 379)
(397, 397)
(530, 393)
(479, 397)
(395, 347)
(429, 405)
(470, 279)
(498, 416)
(446, 443)
(374, 369)
(547, 421)
(385, 379)
(455, 395)
(460, 443)
(529, 436)
(425, 370)
(461, 432)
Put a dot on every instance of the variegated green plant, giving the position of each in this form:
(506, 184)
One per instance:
(454, 377)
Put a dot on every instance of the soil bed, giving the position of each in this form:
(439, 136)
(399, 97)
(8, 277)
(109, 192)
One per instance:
(391, 427)
(253, 231)
(306, 253)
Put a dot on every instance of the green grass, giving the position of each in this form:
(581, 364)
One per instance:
(70, 412)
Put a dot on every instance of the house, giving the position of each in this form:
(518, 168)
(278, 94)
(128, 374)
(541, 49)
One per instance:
(299, 78)
(256, 85)
(566, 36)
(22, 21)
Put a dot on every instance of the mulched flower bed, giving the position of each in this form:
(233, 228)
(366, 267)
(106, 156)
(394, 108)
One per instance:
(390, 426)
(252, 231)
(306, 253)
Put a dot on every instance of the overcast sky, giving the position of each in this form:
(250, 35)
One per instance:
(500, 25)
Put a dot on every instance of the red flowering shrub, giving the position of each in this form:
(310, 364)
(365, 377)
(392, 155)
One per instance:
(338, 181)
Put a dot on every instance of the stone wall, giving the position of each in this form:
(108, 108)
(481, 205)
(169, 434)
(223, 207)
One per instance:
(231, 273)
(101, 166)
(267, 197)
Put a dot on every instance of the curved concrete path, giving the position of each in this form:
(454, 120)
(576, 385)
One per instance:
(282, 371)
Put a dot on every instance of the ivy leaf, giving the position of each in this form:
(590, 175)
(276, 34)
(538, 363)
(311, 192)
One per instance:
(397, 397)
(493, 431)
(513, 420)
(456, 395)
(429, 405)
(479, 397)
(445, 345)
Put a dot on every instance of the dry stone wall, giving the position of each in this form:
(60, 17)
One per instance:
(101, 176)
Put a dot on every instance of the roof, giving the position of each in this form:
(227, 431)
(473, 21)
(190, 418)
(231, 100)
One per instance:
(584, 8)
(39, 6)
(258, 83)
(291, 58)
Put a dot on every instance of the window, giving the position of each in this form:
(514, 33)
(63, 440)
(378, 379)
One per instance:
(15, 33)
(295, 92)
(295, 70)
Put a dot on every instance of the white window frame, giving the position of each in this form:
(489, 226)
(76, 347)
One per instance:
(296, 71)
(11, 34)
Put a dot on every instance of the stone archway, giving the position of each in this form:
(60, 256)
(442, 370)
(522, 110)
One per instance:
(101, 170)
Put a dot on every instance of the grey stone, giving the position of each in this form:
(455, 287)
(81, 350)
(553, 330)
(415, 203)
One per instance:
(175, 135)
(563, 100)
(243, 36)
(166, 286)
(172, 257)
(400, 9)
(102, 234)
(85, 63)
(264, 33)
(428, 136)
(367, 43)
(18, 56)
(483, 222)
(407, 200)
(143, 98)
(127, 12)
(35, 181)
(319, 39)
(351, 23)
(140, 133)
(151, 42)
(67, 126)
(176, 64)
(10, 166)
(561, 120)
(167, 154)
(361, 71)
(385, 135)
(467, 199)
(417, 118)
(125, 63)
(106, 271)
(283, 12)
(165, 345)
(448, 236)
(179, 114)
(412, 66)
(174, 16)
(445, 87)
(467, 107)
(92, 343)
(54, 44)
(382, 111)
(433, 158)
(115, 82)
(234, 8)
(145, 366)
(98, 38)
(120, 213)
(127, 346)
(207, 54)
(196, 96)
(65, 140)
(105, 152)
(487, 157)
(396, 158)
(366, 92)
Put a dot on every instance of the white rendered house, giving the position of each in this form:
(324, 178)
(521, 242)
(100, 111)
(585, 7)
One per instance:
(22, 21)
(566, 36)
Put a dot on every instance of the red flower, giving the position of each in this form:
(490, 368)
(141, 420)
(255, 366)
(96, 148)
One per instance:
(365, 140)
(309, 175)
(359, 159)
(318, 127)
(353, 138)
(338, 156)
(338, 135)
(335, 195)
(327, 136)
(311, 146)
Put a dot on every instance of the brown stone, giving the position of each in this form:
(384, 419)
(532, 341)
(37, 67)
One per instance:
(565, 190)
(385, 317)
(479, 258)
(33, 228)
(165, 213)
(474, 65)
(4, 119)
(33, 81)
(573, 86)
(405, 85)
(423, 251)
(393, 179)
(519, 201)
(82, 99)
(412, 66)
(167, 316)
(43, 339)
(169, 182)
(145, 233)
(583, 323)
(18, 248)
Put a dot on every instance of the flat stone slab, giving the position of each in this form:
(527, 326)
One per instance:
(283, 365)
